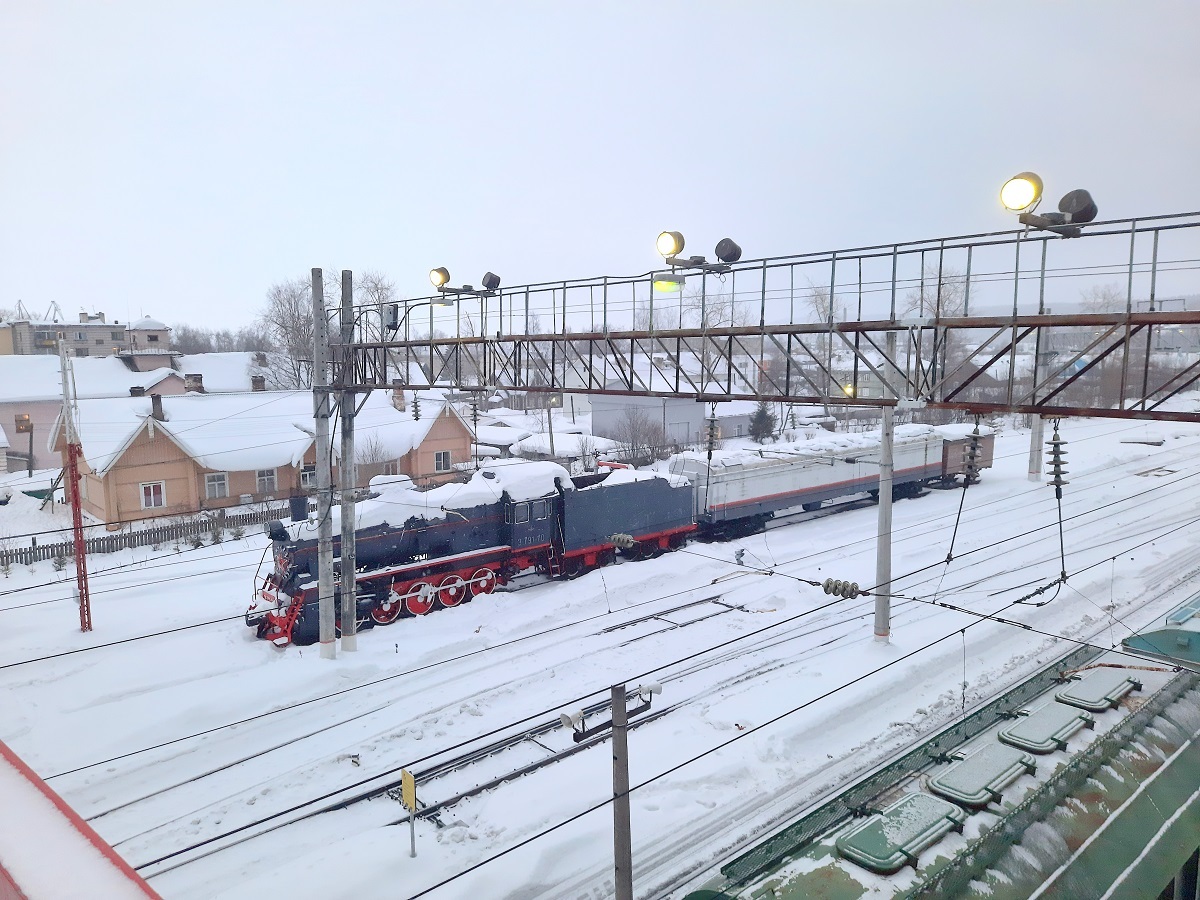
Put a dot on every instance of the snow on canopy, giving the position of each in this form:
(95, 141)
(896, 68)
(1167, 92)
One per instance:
(32, 378)
(145, 323)
(628, 476)
(235, 432)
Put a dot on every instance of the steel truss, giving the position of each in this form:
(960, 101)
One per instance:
(927, 351)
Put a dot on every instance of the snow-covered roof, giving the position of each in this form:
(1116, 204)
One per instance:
(38, 377)
(566, 445)
(236, 432)
(223, 372)
(147, 324)
(499, 435)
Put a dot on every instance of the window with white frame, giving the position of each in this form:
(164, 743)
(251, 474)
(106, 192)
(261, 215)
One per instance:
(308, 477)
(154, 495)
(441, 461)
(216, 485)
(266, 481)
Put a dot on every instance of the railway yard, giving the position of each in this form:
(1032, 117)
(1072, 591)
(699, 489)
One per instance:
(220, 765)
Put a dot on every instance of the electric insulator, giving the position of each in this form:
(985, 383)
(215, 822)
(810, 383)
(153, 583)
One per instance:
(416, 407)
(1056, 466)
(847, 590)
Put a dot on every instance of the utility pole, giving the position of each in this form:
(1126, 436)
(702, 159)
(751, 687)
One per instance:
(883, 537)
(349, 473)
(1035, 449)
(622, 837)
(320, 377)
(883, 540)
(74, 452)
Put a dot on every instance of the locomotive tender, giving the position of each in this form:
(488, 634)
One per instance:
(420, 550)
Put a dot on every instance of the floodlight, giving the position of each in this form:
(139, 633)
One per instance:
(670, 243)
(393, 322)
(439, 276)
(491, 281)
(1021, 192)
(1078, 206)
(649, 690)
(727, 251)
(571, 722)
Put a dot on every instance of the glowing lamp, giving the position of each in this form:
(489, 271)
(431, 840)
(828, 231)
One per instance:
(1021, 191)
(670, 243)
(439, 276)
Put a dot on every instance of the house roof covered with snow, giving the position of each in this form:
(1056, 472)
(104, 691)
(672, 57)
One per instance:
(223, 372)
(145, 323)
(235, 432)
(33, 378)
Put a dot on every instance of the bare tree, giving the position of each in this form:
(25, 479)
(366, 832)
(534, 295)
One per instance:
(287, 322)
(1103, 298)
(700, 309)
(643, 438)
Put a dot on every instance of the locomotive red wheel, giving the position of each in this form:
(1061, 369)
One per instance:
(452, 591)
(388, 610)
(483, 582)
(419, 598)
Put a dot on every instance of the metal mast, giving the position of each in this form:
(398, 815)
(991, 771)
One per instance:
(74, 452)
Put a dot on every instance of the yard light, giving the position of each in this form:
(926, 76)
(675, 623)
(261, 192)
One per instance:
(670, 243)
(727, 251)
(669, 282)
(439, 276)
(490, 281)
(1021, 192)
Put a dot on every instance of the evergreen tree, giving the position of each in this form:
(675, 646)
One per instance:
(762, 423)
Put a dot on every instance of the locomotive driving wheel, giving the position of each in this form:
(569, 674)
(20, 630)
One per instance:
(483, 582)
(452, 591)
(419, 598)
(388, 609)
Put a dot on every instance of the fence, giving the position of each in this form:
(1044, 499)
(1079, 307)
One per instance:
(156, 534)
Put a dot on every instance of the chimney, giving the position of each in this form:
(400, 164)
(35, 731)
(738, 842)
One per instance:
(83, 318)
(193, 382)
(137, 392)
(156, 408)
(398, 395)
(258, 382)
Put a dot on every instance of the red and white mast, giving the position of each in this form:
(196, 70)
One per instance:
(74, 452)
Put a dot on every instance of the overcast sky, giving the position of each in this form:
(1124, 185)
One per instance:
(176, 159)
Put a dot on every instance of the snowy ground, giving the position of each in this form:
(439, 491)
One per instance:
(776, 692)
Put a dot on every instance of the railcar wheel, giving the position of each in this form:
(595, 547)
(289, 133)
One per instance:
(420, 598)
(387, 610)
(483, 582)
(452, 591)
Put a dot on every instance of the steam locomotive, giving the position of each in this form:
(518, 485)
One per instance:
(416, 551)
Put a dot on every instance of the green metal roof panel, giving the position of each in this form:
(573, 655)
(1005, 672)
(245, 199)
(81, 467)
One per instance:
(1099, 690)
(1046, 729)
(977, 779)
(1187, 610)
(893, 837)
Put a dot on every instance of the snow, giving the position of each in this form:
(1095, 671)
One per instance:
(223, 372)
(753, 733)
(565, 445)
(237, 432)
(34, 378)
(37, 840)
(397, 502)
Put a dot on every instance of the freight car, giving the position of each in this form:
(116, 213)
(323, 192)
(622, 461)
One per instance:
(417, 551)
(737, 491)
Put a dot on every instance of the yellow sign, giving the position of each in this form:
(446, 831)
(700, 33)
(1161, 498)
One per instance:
(408, 790)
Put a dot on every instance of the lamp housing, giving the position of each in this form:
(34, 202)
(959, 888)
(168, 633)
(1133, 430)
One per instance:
(439, 276)
(669, 243)
(490, 281)
(727, 251)
(1021, 192)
